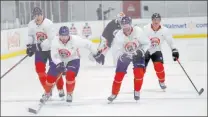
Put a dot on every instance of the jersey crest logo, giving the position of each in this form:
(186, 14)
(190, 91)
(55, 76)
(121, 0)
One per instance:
(64, 53)
(130, 47)
(41, 37)
(155, 41)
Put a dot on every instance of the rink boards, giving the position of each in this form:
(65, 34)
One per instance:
(13, 40)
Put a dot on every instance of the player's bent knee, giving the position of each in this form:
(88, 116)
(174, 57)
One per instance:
(139, 73)
(119, 76)
(41, 75)
(40, 67)
(158, 66)
(51, 79)
(70, 75)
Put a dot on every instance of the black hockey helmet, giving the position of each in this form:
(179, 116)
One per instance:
(126, 20)
(156, 15)
(37, 11)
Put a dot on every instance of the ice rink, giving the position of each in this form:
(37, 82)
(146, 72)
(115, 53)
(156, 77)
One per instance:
(21, 88)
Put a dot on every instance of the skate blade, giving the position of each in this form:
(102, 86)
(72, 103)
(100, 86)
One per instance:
(31, 110)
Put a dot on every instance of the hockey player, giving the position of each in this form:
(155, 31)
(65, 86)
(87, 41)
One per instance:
(40, 34)
(86, 32)
(73, 30)
(157, 34)
(66, 58)
(108, 36)
(131, 44)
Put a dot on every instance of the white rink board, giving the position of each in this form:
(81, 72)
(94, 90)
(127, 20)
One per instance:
(187, 25)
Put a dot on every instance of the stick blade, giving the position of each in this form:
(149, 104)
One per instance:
(201, 91)
(32, 111)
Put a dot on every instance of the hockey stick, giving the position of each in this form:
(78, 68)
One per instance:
(201, 90)
(35, 111)
(14, 66)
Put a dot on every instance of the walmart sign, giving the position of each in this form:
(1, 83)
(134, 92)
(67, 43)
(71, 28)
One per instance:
(189, 25)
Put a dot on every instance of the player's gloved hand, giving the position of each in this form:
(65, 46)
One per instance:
(60, 67)
(175, 54)
(31, 48)
(139, 54)
(99, 57)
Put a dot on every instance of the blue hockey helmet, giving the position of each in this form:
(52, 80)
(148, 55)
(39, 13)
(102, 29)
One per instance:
(64, 34)
(64, 31)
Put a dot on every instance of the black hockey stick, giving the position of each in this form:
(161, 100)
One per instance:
(14, 66)
(201, 90)
(35, 111)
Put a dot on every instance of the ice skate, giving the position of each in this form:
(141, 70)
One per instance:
(136, 95)
(69, 98)
(45, 93)
(111, 98)
(162, 85)
(45, 97)
(61, 94)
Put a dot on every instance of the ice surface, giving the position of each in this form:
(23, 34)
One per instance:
(21, 88)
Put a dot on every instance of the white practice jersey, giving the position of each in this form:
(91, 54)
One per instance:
(157, 38)
(129, 44)
(66, 52)
(42, 33)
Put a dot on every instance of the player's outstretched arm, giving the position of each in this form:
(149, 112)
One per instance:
(84, 43)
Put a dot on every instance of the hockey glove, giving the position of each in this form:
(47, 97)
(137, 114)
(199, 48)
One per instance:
(139, 54)
(175, 54)
(99, 57)
(125, 58)
(31, 48)
(60, 67)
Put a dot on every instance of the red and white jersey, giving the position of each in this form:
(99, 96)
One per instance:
(66, 52)
(129, 44)
(42, 33)
(157, 38)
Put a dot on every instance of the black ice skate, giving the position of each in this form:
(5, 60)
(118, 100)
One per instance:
(61, 94)
(45, 97)
(69, 98)
(136, 95)
(162, 85)
(111, 98)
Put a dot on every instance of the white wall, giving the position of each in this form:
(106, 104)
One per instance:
(188, 25)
